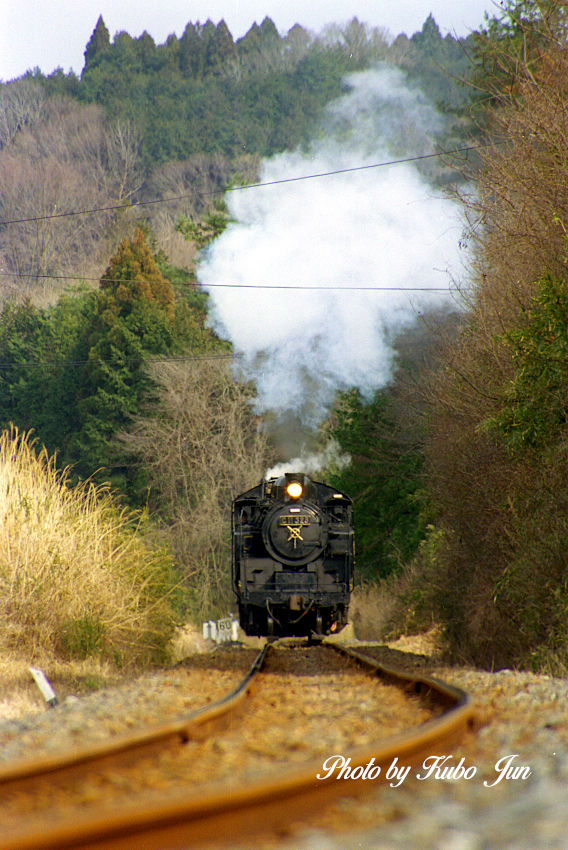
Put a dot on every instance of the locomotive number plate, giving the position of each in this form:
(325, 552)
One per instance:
(294, 521)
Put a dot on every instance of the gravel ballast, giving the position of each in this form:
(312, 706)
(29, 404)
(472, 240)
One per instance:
(520, 715)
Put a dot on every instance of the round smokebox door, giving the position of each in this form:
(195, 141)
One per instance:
(295, 534)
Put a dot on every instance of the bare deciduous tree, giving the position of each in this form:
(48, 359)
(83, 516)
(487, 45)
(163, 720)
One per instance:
(21, 104)
(72, 160)
(122, 143)
(502, 573)
(202, 447)
(192, 184)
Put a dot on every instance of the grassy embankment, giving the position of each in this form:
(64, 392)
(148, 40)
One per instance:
(81, 591)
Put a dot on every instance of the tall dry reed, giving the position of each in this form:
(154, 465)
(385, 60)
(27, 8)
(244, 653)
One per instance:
(76, 577)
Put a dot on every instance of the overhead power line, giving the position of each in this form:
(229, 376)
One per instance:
(115, 207)
(285, 286)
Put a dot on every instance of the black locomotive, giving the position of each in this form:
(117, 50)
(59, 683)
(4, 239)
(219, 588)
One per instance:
(292, 557)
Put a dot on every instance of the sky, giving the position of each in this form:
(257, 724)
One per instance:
(54, 33)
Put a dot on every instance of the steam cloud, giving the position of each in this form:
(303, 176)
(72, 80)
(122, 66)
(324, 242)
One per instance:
(382, 227)
(312, 462)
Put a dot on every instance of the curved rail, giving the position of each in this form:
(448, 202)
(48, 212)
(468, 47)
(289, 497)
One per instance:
(195, 820)
(124, 747)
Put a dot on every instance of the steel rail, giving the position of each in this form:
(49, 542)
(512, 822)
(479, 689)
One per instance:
(194, 821)
(125, 748)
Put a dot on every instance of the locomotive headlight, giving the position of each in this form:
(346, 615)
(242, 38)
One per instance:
(294, 489)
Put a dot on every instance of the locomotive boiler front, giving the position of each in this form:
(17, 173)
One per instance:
(292, 557)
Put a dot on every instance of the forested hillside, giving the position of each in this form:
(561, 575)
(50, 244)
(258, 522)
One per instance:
(179, 120)
(89, 302)
(204, 93)
(112, 182)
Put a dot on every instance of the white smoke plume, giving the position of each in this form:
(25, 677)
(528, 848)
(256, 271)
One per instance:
(313, 462)
(381, 227)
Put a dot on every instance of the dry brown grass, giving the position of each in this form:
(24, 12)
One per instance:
(398, 605)
(370, 612)
(20, 696)
(76, 578)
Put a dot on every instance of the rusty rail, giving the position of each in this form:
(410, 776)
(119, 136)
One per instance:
(125, 748)
(193, 821)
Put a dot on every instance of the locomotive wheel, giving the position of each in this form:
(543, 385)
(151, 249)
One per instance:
(269, 626)
(319, 623)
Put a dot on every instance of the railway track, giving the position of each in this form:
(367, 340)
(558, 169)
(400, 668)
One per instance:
(236, 809)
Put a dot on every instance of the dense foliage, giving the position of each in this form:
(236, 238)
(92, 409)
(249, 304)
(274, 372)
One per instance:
(76, 372)
(384, 479)
(264, 93)
(496, 449)
(440, 66)
(511, 44)
(204, 94)
(534, 412)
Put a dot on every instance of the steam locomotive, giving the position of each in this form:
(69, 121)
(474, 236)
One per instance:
(293, 557)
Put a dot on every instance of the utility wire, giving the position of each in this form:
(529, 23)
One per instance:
(230, 355)
(242, 188)
(284, 286)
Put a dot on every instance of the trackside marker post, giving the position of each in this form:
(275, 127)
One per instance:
(47, 691)
(225, 630)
